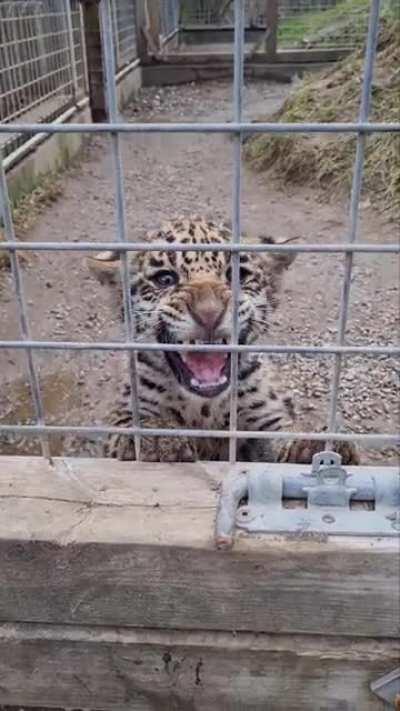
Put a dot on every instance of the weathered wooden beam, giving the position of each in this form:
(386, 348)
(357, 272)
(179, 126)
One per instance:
(94, 60)
(99, 542)
(150, 670)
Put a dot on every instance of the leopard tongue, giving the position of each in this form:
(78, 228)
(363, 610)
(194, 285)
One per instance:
(206, 367)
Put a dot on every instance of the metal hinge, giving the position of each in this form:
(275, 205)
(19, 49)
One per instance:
(257, 498)
(387, 688)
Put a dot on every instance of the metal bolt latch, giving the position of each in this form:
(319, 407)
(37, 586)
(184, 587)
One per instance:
(326, 500)
(330, 487)
(387, 688)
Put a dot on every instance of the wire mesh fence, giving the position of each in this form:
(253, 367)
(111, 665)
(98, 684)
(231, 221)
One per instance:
(221, 12)
(170, 17)
(362, 128)
(302, 23)
(42, 58)
(124, 26)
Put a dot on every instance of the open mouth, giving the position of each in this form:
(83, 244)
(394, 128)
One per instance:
(205, 374)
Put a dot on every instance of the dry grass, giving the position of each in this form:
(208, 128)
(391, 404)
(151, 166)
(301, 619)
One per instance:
(326, 161)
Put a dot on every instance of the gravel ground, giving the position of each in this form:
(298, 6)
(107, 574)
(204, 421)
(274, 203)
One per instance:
(165, 176)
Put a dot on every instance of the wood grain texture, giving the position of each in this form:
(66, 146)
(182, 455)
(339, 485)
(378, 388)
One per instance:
(154, 671)
(109, 543)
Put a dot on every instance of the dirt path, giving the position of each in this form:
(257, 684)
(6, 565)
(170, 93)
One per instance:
(178, 174)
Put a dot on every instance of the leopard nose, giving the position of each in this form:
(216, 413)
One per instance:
(209, 317)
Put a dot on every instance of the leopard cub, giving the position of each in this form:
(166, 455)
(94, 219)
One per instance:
(186, 298)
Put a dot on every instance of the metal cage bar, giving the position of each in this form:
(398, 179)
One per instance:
(370, 55)
(352, 127)
(236, 215)
(237, 128)
(112, 101)
(182, 432)
(204, 348)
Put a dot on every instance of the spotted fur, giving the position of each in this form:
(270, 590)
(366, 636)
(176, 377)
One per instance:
(186, 297)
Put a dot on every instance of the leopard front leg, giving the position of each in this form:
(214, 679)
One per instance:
(300, 451)
(152, 448)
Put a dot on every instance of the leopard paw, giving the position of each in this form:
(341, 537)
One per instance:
(302, 452)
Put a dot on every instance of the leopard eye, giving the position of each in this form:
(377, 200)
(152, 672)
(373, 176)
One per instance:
(165, 278)
(243, 272)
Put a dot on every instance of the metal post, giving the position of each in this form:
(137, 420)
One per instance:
(372, 40)
(236, 215)
(71, 48)
(22, 310)
(112, 107)
(116, 34)
(272, 21)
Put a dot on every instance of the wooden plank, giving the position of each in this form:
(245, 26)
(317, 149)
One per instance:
(130, 670)
(119, 543)
(293, 57)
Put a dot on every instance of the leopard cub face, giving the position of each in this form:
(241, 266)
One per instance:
(186, 298)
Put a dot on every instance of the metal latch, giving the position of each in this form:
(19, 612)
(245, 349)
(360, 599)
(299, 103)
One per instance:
(261, 498)
(387, 688)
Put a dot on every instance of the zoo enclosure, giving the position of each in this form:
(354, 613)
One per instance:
(237, 128)
(44, 56)
(88, 578)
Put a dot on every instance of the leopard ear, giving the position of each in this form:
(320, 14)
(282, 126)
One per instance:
(105, 266)
(279, 260)
(276, 264)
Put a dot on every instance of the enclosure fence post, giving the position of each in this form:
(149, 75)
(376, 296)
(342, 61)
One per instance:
(370, 54)
(94, 60)
(112, 110)
(84, 49)
(272, 22)
(71, 48)
(116, 33)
